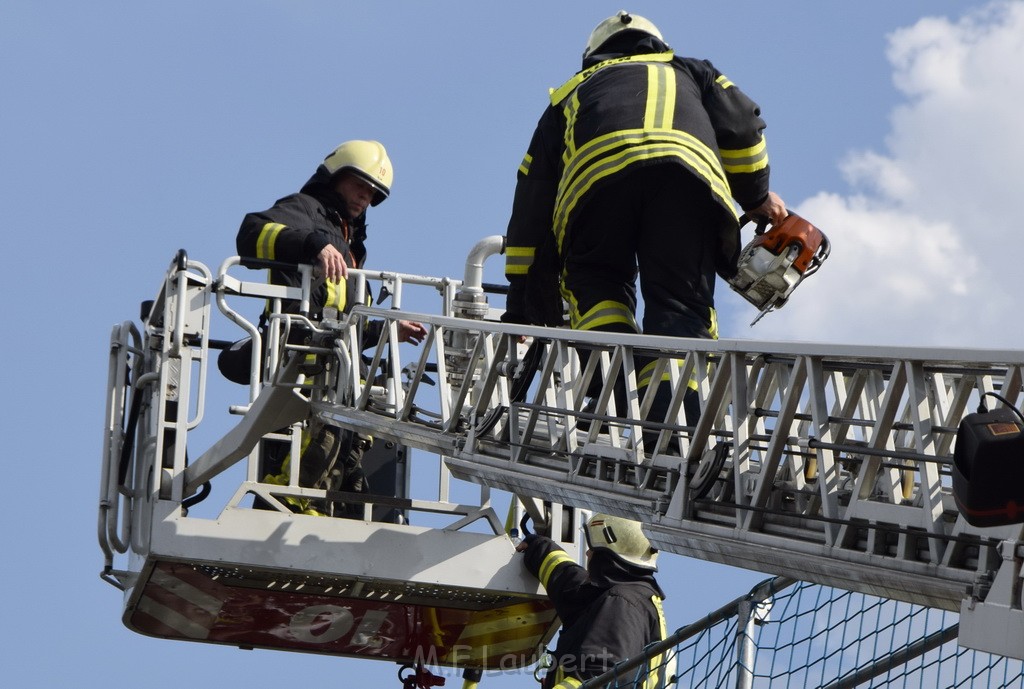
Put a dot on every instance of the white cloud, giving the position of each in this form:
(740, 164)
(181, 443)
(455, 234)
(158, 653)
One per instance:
(927, 246)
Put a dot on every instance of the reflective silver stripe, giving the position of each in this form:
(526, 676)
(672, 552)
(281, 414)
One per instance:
(746, 159)
(661, 97)
(550, 563)
(172, 618)
(185, 591)
(518, 259)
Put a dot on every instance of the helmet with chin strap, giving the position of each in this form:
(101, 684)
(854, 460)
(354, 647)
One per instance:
(367, 160)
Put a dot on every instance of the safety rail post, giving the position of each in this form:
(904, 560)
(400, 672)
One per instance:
(125, 347)
(762, 591)
(185, 368)
(750, 613)
(222, 290)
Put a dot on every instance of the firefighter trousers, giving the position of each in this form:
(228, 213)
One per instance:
(661, 223)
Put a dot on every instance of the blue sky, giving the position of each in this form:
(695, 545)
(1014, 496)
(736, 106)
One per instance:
(130, 130)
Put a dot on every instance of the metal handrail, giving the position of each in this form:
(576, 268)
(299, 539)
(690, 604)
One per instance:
(761, 592)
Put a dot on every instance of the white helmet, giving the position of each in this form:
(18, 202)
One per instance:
(366, 159)
(620, 22)
(624, 538)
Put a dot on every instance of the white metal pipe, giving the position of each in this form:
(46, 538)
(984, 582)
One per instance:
(485, 248)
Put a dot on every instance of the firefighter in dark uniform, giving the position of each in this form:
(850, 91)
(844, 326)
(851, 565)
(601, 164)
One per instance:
(610, 610)
(634, 167)
(324, 224)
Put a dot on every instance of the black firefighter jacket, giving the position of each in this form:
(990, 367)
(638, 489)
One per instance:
(609, 613)
(634, 104)
(296, 228)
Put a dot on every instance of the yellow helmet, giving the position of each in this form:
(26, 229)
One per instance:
(368, 160)
(620, 22)
(624, 538)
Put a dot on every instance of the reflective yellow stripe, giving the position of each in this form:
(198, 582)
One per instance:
(569, 298)
(550, 563)
(724, 82)
(596, 151)
(571, 111)
(604, 313)
(644, 378)
(518, 259)
(746, 159)
(611, 153)
(567, 682)
(524, 167)
(310, 361)
(661, 97)
(660, 667)
(265, 240)
(510, 630)
(651, 110)
(336, 295)
(284, 477)
(559, 94)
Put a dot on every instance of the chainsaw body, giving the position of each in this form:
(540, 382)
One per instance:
(773, 264)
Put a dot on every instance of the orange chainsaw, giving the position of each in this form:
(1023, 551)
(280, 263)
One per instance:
(775, 262)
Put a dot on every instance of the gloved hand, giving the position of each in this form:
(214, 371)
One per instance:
(525, 542)
(527, 535)
(354, 480)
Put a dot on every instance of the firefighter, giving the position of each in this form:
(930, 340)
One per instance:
(324, 224)
(635, 167)
(610, 610)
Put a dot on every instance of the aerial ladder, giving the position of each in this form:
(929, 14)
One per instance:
(823, 463)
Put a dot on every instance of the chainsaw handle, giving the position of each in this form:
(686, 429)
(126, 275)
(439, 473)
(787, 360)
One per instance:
(762, 223)
(819, 256)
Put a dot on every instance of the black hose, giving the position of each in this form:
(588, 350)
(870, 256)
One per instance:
(204, 492)
(128, 438)
(520, 385)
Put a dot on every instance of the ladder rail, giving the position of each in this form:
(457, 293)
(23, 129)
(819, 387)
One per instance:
(846, 449)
